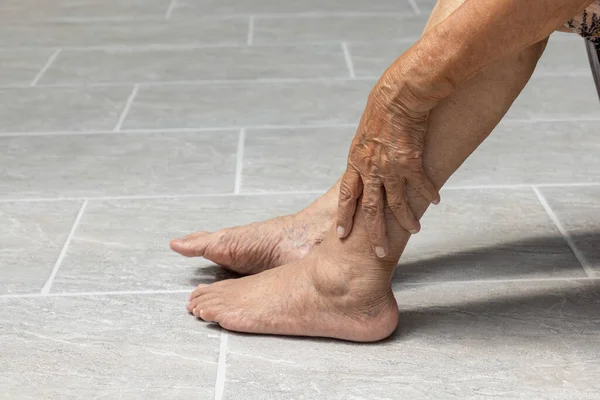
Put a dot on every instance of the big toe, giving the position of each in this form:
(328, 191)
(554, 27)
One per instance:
(192, 245)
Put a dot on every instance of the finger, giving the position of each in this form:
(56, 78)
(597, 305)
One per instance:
(373, 207)
(398, 203)
(351, 188)
(422, 185)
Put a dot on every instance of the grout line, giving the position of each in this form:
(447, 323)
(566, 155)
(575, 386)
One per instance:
(292, 126)
(123, 115)
(45, 68)
(415, 7)
(181, 291)
(483, 187)
(273, 193)
(542, 119)
(221, 366)
(106, 293)
(497, 281)
(565, 234)
(46, 289)
(348, 59)
(239, 165)
(250, 39)
(273, 81)
(125, 131)
(163, 196)
(200, 19)
(175, 130)
(569, 184)
(218, 81)
(200, 45)
(521, 186)
(169, 12)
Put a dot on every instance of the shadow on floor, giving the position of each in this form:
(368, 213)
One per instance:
(210, 274)
(541, 257)
(526, 310)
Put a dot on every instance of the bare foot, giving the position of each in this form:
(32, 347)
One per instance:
(254, 248)
(332, 292)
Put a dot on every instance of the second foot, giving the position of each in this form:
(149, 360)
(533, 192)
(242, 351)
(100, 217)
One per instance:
(254, 248)
(315, 296)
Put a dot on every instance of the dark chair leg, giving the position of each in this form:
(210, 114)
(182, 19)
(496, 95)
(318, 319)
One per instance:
(593, 51)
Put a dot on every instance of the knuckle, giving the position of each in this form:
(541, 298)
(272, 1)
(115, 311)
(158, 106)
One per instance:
(371, 209)
(346, 194)
(398, 207)
(376, 238)
(343, 214)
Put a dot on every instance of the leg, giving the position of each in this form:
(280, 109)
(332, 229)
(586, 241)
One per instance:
(341, 289)
(254, 248)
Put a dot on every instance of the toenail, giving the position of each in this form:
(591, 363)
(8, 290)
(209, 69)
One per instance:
(341, 231)
(413, 231)
(380, 251)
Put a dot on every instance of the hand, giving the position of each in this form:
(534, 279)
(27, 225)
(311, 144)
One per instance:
(385, 156)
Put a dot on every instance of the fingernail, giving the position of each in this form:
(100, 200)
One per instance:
(380, 251)
(436, 202)
(413, 231)
(340, 231)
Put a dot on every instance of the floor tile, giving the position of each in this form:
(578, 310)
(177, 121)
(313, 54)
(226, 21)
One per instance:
(130, 347)
(330, 28)
(564, 54)
(577, 209)
(125, 33)
(54, 109)
(425, 6)
(20, 67)
(534, 153)
(43, 10)
(199, 64)
(187, 8)
(31, 238)
(249, 104)
(294, 159)
(557, 98)
(513, 341)
(124, 244)
(487, 234)
(120, 164)
(372, 59)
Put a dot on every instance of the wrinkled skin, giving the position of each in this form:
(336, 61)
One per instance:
(385, 156)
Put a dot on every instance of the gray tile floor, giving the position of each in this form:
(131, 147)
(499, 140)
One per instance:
(125, 123)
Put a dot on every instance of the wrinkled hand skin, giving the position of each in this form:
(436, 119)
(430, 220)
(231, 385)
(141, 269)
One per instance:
(385, 156)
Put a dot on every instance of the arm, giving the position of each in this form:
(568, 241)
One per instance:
(487, 31)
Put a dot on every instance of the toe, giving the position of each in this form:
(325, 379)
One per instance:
(193, 245)
(199, 291)
(208, 308)
(192, 304)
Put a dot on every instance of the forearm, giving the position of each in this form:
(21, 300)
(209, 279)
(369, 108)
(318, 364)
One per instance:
(478, 33)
